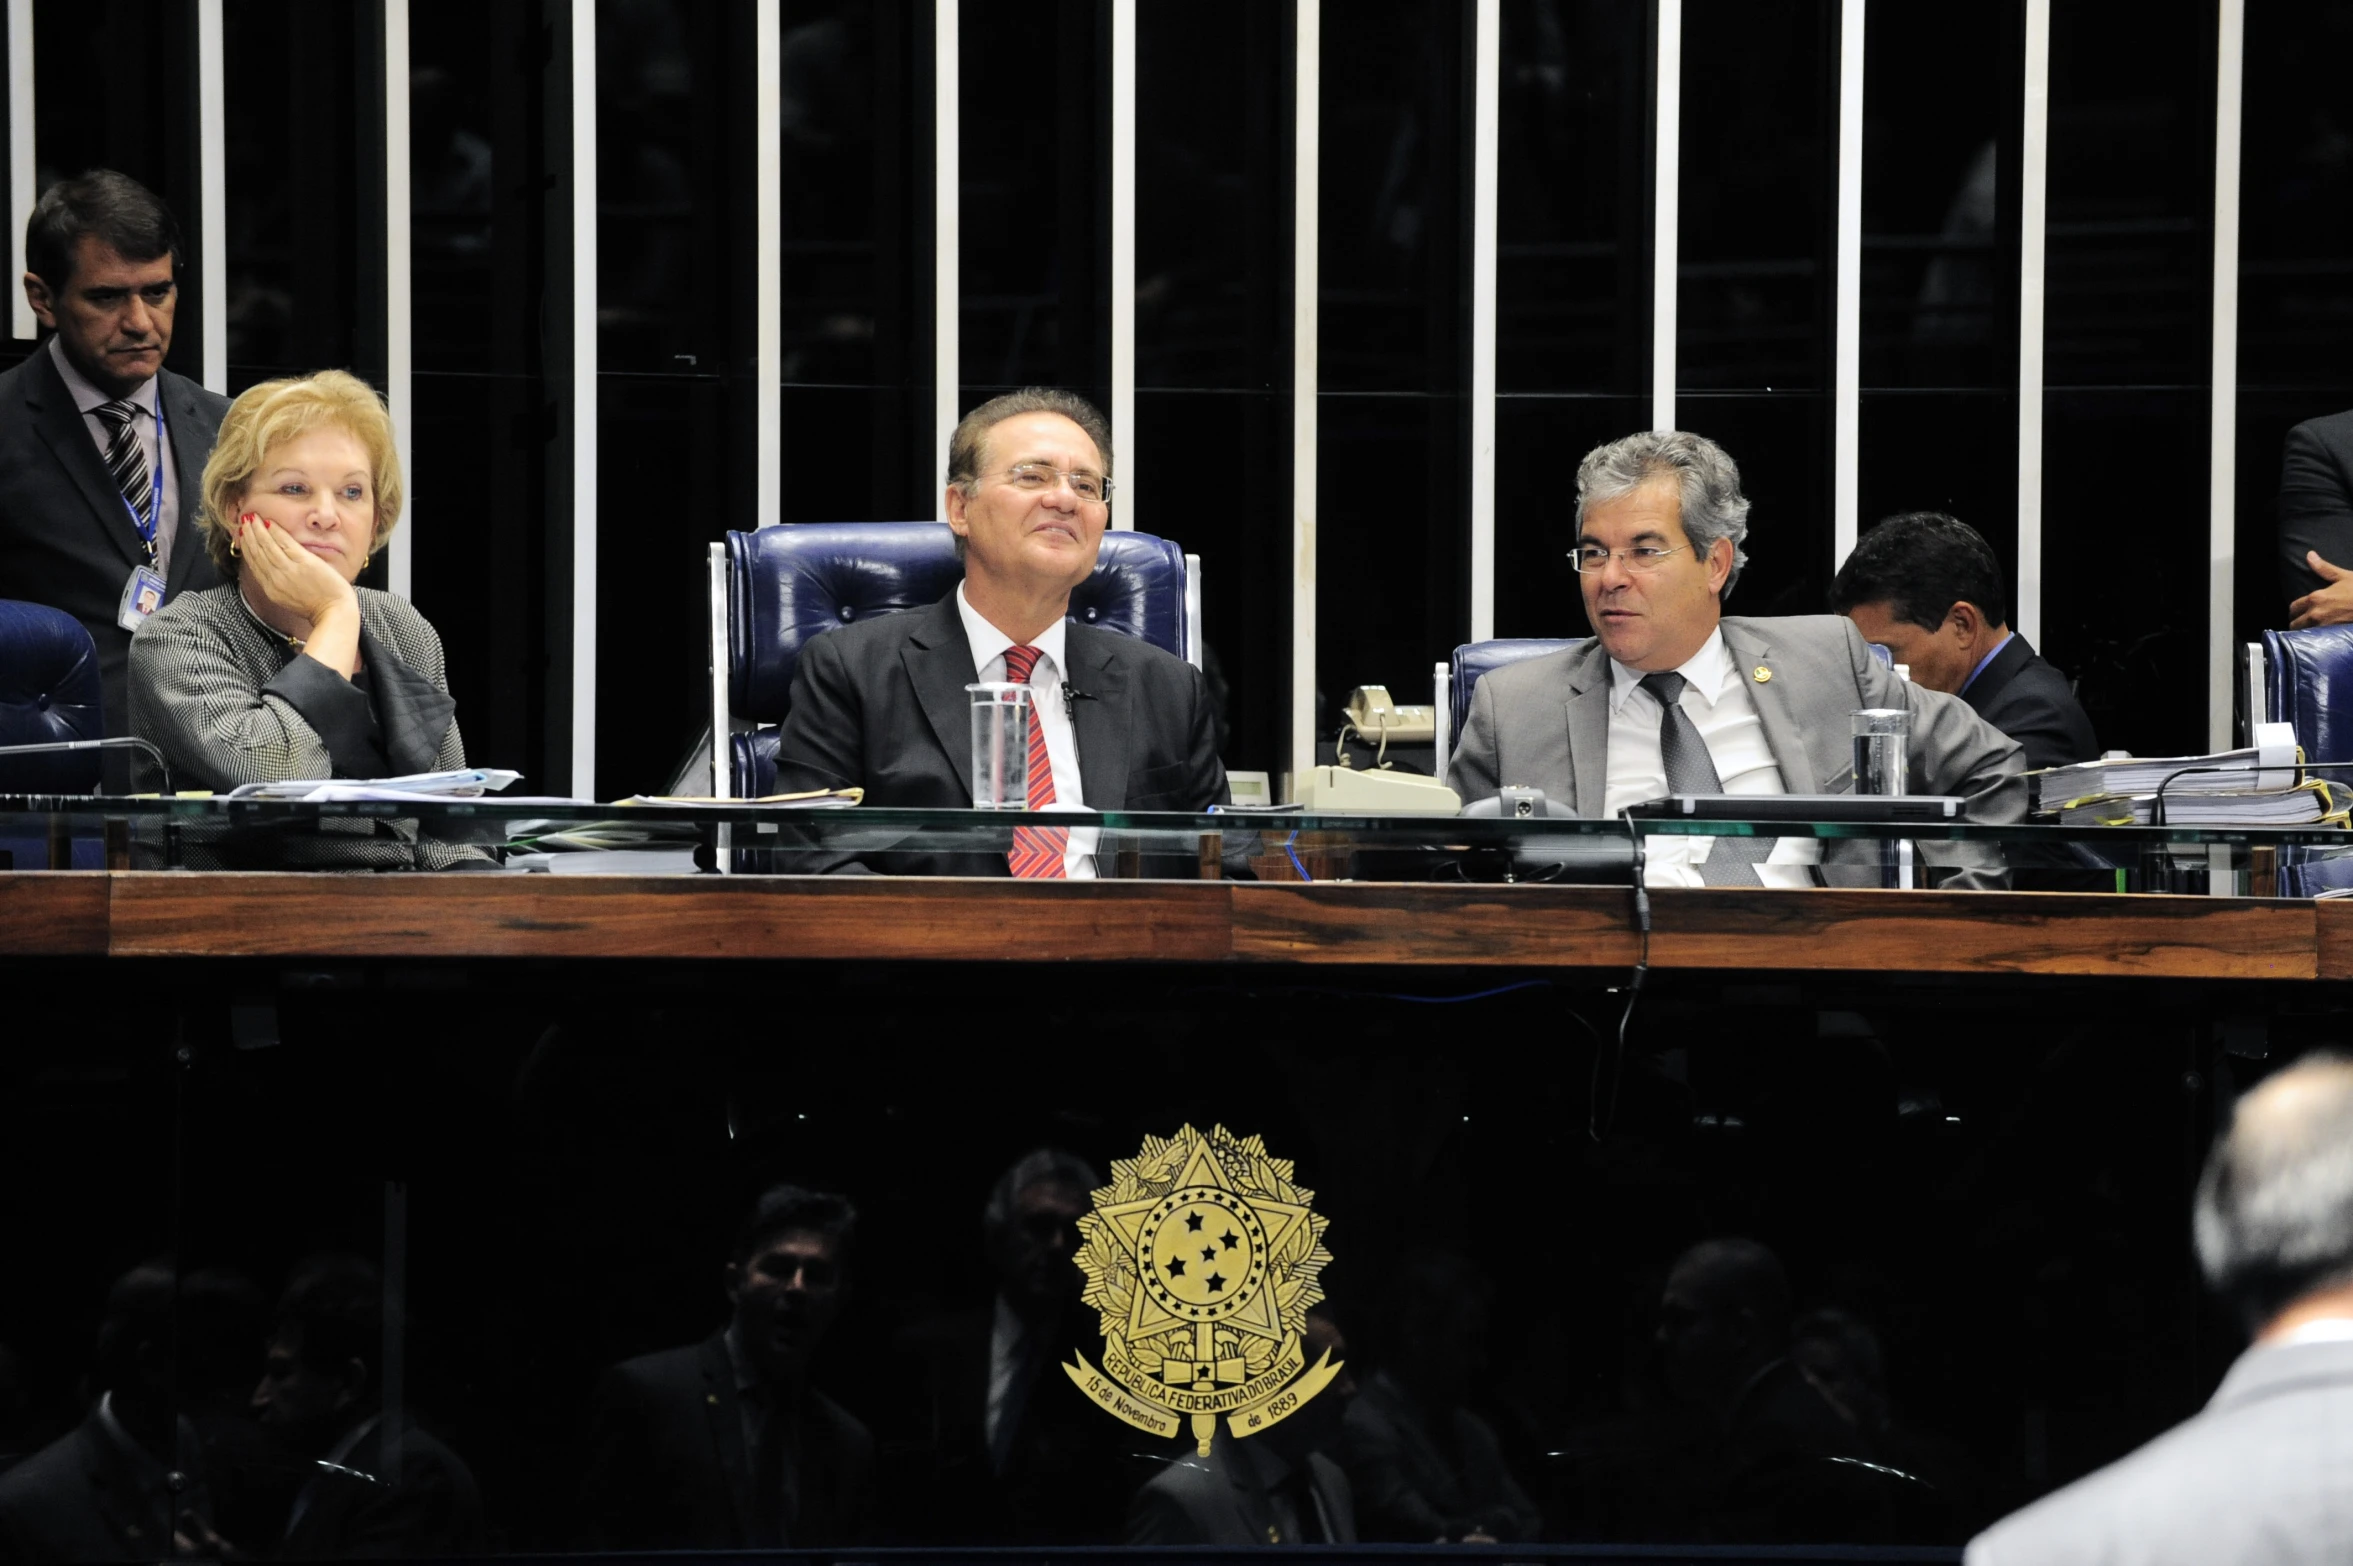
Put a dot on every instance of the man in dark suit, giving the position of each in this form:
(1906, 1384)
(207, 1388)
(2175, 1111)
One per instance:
(129, 1478)
(1927, 587)
(372, 1484)
(2316, 521)
(102, 449)
(2260, 1474)
(1119, 724)
(1021, 1456)
(723, 1444)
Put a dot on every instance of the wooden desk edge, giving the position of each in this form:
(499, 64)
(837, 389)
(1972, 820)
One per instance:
(185, 914)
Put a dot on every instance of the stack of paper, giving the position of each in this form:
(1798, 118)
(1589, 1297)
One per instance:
(465, 783)
(2305, 805)
(2267, 765)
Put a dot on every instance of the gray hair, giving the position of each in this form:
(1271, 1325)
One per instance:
(1712, 504)
(2274, 1219)
(1046, 1164)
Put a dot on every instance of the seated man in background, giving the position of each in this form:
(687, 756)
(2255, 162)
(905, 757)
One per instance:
(2259, 1475)
(1117, 723)
(2316, 522)
(723, 1444)
(1927, 588)
(371, 1488)
(1673, 697)
(1277, 1487)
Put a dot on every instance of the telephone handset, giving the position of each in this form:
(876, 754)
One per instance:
(1378, 719)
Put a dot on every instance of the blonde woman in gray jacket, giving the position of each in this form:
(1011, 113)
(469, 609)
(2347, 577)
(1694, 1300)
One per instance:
(289, 669)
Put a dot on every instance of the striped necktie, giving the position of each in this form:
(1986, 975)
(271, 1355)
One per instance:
(1037, 852)
(126, 462)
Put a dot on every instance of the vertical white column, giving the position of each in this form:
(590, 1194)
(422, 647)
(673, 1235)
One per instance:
(1485, 48)
(947, 372)
(24, 170)
(212, 202)
(768, 266)
(2222, 462)
(1306, 168)
(584, 406)
(1123, 255)
(2033, 163)
(1847, 353)
(399, 292)
(1666, 177)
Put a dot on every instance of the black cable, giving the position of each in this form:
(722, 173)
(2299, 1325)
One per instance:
(1597, 1123)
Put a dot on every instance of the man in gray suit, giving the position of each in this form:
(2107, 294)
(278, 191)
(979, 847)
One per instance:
(2260, 1478)
(101, 447)
(1673, 697)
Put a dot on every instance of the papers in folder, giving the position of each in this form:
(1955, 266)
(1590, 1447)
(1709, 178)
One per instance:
(465, 783)
(811, 799)
(2260, 785)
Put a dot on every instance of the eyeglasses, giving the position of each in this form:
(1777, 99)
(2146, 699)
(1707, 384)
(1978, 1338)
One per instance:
(1641, 560)
(1036, 478)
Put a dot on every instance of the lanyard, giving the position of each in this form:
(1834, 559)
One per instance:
(148, 524)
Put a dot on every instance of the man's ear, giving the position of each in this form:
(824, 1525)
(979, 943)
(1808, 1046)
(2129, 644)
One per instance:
(353, 1382)
(37, 295)
(734, 1276)
(1719, 564)
(956, 511)
(1967, 621)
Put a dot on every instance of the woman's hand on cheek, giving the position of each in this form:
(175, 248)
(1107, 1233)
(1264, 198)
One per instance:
(288, 574)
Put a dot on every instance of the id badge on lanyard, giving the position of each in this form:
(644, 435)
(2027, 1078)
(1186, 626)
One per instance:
(143, 592)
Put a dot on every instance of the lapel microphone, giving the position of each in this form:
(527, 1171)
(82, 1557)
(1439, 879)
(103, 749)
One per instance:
(1071, 697)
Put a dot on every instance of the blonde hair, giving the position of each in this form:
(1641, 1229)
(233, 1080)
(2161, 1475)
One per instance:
(274, 412)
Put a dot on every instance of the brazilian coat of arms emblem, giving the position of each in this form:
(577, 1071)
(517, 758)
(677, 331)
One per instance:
(1202, 1258)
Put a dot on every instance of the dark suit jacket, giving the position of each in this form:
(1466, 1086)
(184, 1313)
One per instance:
(66, 538)
(880, 705)
(2257, 1479)
(359, 1510)
(2029, 700)
(2315, 501)
(1420, 1484)
(80, 1499)
(1223, 1500)
(667, 1468)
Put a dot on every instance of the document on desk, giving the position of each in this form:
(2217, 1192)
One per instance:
(812, 799)
(463, 783)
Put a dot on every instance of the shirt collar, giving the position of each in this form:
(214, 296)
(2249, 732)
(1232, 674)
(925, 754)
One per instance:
(1988, 658)
(88, 398)
(1703, 672)
(990, 643)
(2326, 1329)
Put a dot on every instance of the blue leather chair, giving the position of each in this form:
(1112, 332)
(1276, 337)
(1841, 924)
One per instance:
(774, 588)
(1473, 662)
(49, 693)
(2308, 681)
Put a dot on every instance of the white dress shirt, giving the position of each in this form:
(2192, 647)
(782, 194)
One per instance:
(89, 399)
(1716, 699)
(988, 656)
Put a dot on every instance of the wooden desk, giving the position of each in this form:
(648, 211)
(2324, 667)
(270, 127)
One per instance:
(129, 914)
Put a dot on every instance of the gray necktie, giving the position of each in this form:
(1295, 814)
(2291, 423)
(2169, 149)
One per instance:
(1691, 770)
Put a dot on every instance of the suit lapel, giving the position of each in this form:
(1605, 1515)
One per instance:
(938, 660)
(1998, 673)
(68, 438)
(1101, 725)
(1753, 666)
(723, 1412)
(191, 435)
(414, 713)
(1588, 718)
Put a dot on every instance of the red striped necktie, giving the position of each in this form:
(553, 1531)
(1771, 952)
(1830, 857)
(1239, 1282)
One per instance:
(1037, 852)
